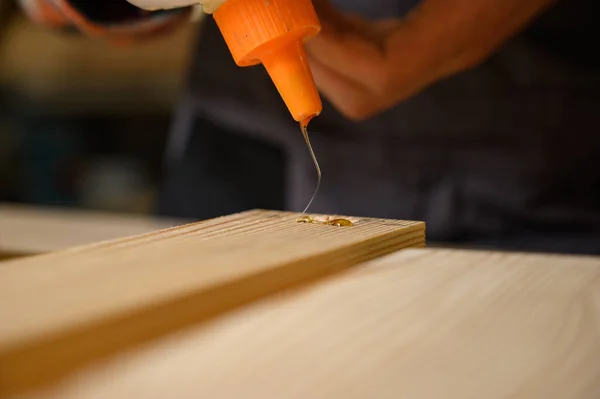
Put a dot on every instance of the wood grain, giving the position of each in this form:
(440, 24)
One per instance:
(26, 230)
(64, 309)
(419, 324)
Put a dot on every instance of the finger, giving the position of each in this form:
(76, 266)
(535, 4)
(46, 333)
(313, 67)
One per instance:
(332, 20)
(377, 53)
(377, 31)
(357, 102)
(348, 96)
(352, 56)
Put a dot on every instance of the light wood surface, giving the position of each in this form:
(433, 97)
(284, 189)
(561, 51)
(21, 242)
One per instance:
(417, 324)
(31, 230)
(64, 309)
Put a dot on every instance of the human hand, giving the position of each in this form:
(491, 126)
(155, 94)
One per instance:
(118, 21)
(365, 67)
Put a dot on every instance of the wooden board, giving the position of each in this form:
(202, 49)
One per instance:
(64, 309)
(417, 324)
(26, 230)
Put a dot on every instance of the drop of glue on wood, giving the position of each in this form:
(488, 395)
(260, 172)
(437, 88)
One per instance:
(339, 222)
(303, 218)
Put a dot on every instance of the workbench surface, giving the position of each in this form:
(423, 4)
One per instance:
(416, 324)
(256, 305)
(26, 230)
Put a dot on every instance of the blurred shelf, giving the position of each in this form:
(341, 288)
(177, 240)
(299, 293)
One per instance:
(71, 73)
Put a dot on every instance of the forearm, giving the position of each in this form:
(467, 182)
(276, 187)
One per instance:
(459, 34)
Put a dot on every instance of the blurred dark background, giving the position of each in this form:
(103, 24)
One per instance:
(83, 123)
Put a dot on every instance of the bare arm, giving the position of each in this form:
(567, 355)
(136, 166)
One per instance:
(365, 67)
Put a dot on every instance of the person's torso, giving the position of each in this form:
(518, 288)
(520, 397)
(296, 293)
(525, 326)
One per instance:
(508, 150)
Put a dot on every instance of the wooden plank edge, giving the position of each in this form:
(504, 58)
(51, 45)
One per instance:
(10, 255)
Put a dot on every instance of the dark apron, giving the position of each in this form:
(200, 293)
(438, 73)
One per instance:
(503, 156)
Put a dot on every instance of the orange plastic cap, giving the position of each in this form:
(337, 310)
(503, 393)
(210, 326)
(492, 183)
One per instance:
(273, 32)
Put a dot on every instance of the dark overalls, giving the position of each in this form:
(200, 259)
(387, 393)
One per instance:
(503, 156)
(506, 155)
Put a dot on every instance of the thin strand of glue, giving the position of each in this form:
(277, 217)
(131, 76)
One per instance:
(303, 128)
(307, 219)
